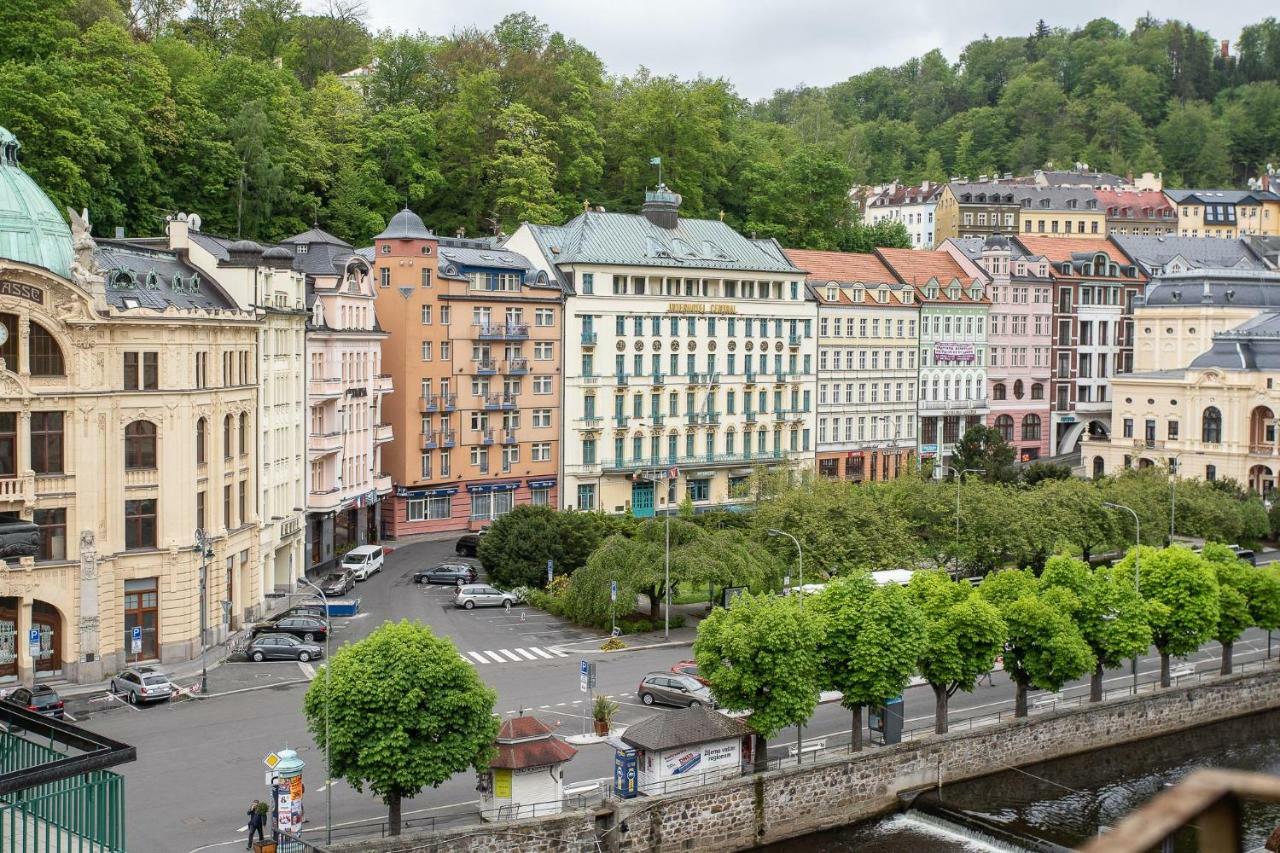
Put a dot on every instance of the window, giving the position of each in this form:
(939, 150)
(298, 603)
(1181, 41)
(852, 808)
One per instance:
(244, 433)
(45, 356)
(228, 429)
(1211, 426)
(46, 442)
(53, 533)
(542, 350)
(141, 610)
(202, 440)
(150, 371)
(201, 512)
(426, 314)
(544, 317)
(1173, 430)
(242, 502)
(426, 277)
(1037, 391)
(1128, 428)
(431, 508)
(587, 496)
(541, 451)
(1031, 428)
(131, 371)
(588, 283)
(384, 273)
(140, 523)
(698, 490)
(226, 507)
(1004, 425)
(140, 445)
(998, 391)
(542, 418)
(542, 384)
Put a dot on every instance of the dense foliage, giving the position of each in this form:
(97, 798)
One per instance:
(517, 546)
(137, 108)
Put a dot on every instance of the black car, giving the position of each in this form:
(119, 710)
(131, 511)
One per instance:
(42, 699)
(307, 628)
(449, 574)
(282, 647)
(468, 544)
(312, 610)
(338, 583)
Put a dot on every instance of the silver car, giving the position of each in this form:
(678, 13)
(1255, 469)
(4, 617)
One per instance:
(669, 688)
(141, 684)
(482, 595)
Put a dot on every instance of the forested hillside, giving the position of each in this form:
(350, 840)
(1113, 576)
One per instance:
(136, 108)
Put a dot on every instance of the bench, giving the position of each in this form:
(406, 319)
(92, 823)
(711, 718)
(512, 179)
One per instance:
(1182, 670)
(1047, 700)
(810, 746)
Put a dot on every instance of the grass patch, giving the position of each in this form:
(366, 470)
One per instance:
(694, 596)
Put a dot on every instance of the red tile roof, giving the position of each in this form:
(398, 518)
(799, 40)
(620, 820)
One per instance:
(1059, 249)
(528, 742)
(916, 267)
(1131, 204)
(847, 267)
(517, 728)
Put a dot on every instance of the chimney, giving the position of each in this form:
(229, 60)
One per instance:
(179, 232)
(662, 207)
(119, 232)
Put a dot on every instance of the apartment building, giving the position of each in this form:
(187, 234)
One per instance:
(1095, 286)
(690, 357)
(1174, 254)
(1226, 213)
(1137, 213)
(954, 306)
(868, 343)
(1059, 211)
(1019, 341)
(914, 206)
(976, 209)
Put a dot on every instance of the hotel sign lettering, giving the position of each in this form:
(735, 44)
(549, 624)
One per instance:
(29, 292)
(699, 308)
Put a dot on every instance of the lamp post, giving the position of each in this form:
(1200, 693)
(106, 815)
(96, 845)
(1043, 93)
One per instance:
(958, 474)
(1174, 463)
(1137, 556)
(206, 551)
(799, 597)
(328, 744)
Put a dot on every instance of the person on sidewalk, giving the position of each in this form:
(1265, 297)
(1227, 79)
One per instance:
(257, 820)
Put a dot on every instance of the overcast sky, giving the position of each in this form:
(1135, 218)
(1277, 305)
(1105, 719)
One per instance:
(762, 46)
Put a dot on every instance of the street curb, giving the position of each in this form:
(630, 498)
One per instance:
(670, 645)
(249, 689)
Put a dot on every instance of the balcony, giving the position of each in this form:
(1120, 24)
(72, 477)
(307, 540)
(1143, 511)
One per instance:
(585, 469)
(621, 378)
(321, 388)
(659, 379)
(793, 340)
(509, 332)
(382, 383)
(428, 441)
(486, 436)
(446, 438)
(500, 402)
(509, 437)
(445, 402)
(382, 433)
(485, 367)
(1264, 450)
(782, 377)
(588, 339)
(382, 483)
(427, 404)
(655, 419)
(324, 443)
(706, 460)
(138, 478)
(49, 485)
(620, 421)
(750, 416)
(704, 378)
(516, 367)
(324, 499)
(589, 422)
(589, 379)
(750, 377)
(17, 489)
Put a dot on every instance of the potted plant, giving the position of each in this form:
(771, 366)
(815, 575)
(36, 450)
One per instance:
(602, 711)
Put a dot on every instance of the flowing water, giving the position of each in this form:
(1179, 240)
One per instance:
(1065, 802)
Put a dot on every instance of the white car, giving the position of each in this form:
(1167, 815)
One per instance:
(482, 595)
(363, 561)
(142, 684)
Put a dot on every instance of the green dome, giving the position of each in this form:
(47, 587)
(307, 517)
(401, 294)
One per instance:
(31, 229)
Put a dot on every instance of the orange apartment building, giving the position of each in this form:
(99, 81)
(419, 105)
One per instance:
(474, 352)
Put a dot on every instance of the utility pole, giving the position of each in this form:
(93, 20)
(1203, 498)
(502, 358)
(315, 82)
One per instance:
(1137, 556)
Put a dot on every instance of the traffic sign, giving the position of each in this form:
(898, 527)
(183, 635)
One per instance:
(584, 675)
(271, 760)
(613, 590)
(584, 667)
(135, 640)
(550, 567)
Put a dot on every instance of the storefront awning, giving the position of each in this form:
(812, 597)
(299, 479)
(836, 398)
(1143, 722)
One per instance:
(542, 484)
(481, 488)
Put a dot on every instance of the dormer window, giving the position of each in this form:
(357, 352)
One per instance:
(953, 293)
(882, 295)
(906, 297)
(1071, 203)
(833, 294)
(855, 295)
(301, 249)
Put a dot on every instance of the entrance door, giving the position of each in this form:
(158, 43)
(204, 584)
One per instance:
(142, 609)
(46, 618)
(642, 500)
(8, 639)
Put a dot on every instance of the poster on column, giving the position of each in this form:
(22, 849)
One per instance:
(283, 821)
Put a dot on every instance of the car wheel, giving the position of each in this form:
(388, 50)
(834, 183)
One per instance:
(304, 656)
(468, 605)
(506, 602)
(308, 637)
(258, 657)
(646, 698)
(111, 688)
(133, 698)
(695, 704)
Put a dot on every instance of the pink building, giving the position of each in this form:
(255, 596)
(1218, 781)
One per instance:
(1019, 340)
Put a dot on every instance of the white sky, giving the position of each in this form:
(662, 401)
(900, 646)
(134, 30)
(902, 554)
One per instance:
(762, 46)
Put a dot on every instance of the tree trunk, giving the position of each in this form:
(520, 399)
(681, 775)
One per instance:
(1226, 658)
(1020, 700)
(1164, 669)
(762, 753)
(1095, 683)
(655, 606)
(855, 734)
(393, 814)
(940, 698)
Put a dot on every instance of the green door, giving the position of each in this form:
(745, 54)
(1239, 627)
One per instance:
(642, 500)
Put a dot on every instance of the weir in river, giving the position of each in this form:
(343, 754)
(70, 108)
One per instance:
(1058, 805)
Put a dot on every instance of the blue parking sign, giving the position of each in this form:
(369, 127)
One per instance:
(135, 640)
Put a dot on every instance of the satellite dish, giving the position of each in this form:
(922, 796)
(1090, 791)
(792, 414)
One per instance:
(194, 221)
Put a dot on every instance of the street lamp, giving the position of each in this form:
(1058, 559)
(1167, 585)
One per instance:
(1174, 462)
(206, 551)
(773, 531)
(958, 474)
(1137, 556)
(328, 744)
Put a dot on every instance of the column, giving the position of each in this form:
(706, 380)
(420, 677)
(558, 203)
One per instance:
(26, 666)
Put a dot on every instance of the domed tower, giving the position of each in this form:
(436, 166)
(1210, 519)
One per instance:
(32, 231)
(406, 225)
(997, 253)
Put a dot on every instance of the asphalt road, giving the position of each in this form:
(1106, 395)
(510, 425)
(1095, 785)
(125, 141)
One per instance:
(200, 762)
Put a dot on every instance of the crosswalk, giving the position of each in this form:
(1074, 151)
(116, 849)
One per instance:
(513, 655)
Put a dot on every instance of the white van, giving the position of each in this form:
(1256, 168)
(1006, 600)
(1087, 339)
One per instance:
(363, 561)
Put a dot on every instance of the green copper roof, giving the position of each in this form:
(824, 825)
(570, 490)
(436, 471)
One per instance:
(31, 229)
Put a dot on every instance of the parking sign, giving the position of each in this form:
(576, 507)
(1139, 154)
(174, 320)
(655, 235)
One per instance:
(613, 590)
(33, 642)
(135, 640)
(550, 568)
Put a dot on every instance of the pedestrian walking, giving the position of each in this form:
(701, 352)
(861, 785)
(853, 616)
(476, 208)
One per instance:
(986, 676)
(257, 820)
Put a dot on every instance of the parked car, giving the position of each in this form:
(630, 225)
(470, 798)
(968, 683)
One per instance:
(316, 611)
(42, 699)
(689, 668)
(682, 691)
(363, 561)
(338, 583)
(482, 595)
(450, 574)
(307, 628)
(282, 647)
(141, 684)
(468, 544)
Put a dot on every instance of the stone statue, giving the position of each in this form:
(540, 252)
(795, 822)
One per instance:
(84, 269)
(19, 539)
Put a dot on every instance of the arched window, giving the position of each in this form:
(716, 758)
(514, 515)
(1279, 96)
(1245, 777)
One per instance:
(140, 445)
(1031, 428)
(997, 391)
(228, 428)
(1004, 425)
(1017, 389)
(1037, 391)
(1211, 426)
(1097, 467)
(45, 355)
(9, 349)
(202, 441)
(244, 433)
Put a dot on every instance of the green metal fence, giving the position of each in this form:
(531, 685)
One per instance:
(80, 814)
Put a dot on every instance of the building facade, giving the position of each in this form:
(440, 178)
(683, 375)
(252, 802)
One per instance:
(689, 357)
(868, 343)
(127, 422)
(1059, 211)
(954, 306)
(1019, 341)
(915, 207)
(978, 209)
(346, 386)
(1171, 254)
(1137, 213)
(1226, 213)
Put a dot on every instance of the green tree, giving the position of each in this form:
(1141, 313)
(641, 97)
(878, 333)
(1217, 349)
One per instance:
(963, 635)
(1037, 472)
(524, 170)
(1236, 588)
(1181, 591)
(872, 637)
(761, 655)
(518, 545)
(984, 448)
(400, 711)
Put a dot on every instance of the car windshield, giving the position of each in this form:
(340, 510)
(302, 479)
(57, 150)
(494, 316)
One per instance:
(44, 698)
(354, 559)
(155, 679)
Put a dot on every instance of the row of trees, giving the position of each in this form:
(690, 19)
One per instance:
(137, 108)
(772, 656)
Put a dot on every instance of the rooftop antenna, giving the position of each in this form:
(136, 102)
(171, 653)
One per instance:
(657, 161)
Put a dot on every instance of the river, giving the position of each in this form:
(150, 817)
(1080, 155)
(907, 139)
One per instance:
(1067, 800)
